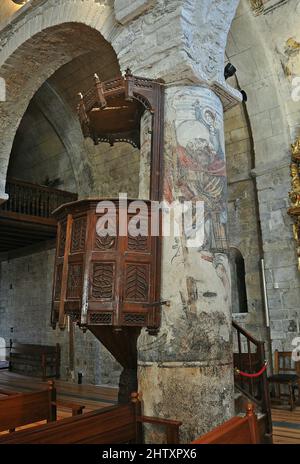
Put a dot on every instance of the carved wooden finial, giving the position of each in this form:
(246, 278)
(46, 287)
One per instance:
(51, 384)
(250, 409)
(135, 397)
(99, 91)
(81, 110)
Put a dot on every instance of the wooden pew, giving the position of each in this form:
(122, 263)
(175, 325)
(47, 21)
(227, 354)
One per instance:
(19, 409)
(37, 360)
(238, 430)
(112, 425)
(75, 408)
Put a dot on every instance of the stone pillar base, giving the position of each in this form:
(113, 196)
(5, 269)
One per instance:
(198, 394)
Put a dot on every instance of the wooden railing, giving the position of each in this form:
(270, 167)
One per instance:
(249, 356)
(34, 200)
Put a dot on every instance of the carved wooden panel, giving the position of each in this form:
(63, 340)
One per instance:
(106, 280)
(138, 243)
(78, 234)
(137, 282)
(62, 238)
(58, 278)
(105, 243)
(74, 286)
(100, 318)
(134, 318)
(109, 241)
(102, 286)
(141, 226)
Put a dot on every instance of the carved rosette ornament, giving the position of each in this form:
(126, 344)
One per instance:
(294, 194)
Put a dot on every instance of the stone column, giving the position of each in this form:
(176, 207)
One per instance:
(185, 373)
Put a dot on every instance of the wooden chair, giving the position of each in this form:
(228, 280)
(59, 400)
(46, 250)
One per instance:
(286, 372)
(235, 431)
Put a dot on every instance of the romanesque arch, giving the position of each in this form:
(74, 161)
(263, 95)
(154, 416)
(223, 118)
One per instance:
(41, 45)
(41, 33)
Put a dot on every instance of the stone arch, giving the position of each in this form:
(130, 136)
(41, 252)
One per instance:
(48, 128)
(39, 45)
(67, 128)
(179, 53)
(249, 49)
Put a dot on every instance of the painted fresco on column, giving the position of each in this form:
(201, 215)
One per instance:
(200, 162)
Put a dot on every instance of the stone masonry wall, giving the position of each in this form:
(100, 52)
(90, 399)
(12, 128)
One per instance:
(244, 227)
(265, 50)
(25, 305)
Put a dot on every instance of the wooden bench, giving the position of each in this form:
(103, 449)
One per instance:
(75, 408)
(235, 431)
(35, 360)
(113, 425)
(19, 409)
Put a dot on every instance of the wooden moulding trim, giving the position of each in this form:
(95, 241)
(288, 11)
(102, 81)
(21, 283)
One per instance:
(64, 282)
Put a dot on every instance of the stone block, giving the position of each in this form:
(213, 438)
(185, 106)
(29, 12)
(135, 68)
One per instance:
(276, 325)
(291, 298)
(275, 335)
(126, 11)
(285, 274)
(276, 315)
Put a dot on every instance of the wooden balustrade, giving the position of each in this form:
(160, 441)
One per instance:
(249, 356)
(34, 200)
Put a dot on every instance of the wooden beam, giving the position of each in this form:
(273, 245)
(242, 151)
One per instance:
(6, 255)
